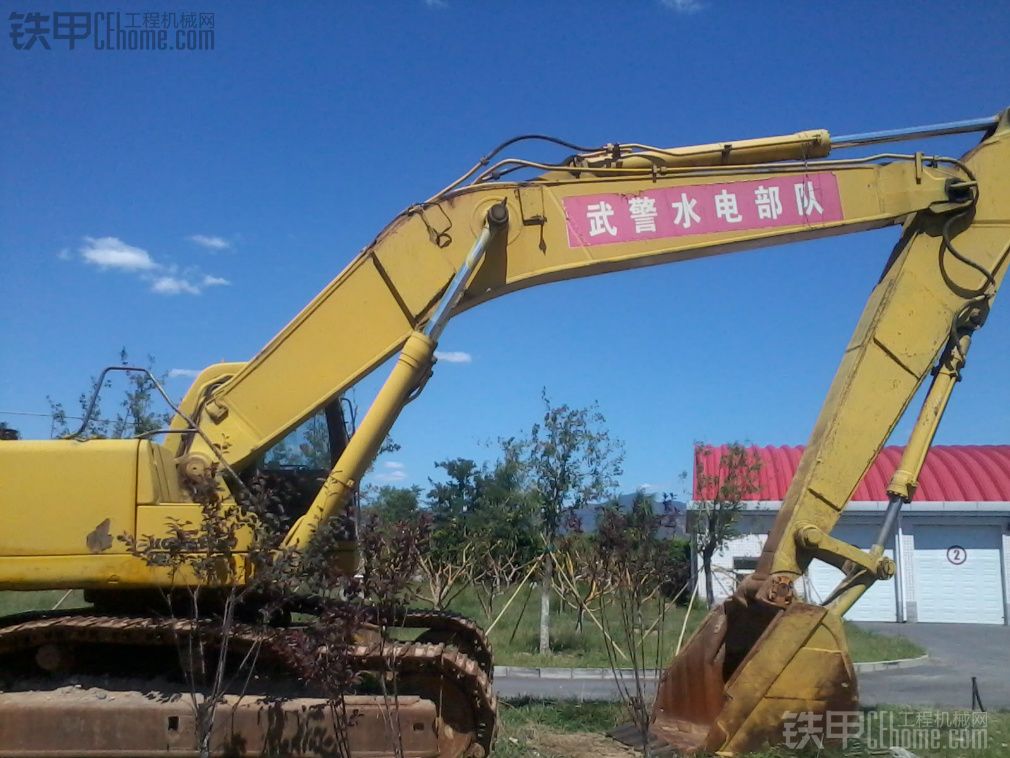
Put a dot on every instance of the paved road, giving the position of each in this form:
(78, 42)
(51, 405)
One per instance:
(514, 688)
(957, 652)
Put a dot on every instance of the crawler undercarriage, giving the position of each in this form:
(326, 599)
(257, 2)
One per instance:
(83, 683)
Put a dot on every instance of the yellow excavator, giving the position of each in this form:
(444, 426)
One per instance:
(506, 224)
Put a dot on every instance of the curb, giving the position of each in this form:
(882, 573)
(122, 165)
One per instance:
(900, 663)
(526, 672)
(523, 672)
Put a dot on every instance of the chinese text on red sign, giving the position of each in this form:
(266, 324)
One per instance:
(690, 210)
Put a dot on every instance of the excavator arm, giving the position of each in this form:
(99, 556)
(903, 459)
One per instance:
(394, 286)
(626, 207)
(764, 653)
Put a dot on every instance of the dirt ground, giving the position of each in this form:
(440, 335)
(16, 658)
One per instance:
(578, 745)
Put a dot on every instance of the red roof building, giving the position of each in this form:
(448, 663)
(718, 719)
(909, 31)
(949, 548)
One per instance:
(951, 473)
(952, 543)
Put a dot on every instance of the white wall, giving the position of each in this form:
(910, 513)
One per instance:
(755, 525)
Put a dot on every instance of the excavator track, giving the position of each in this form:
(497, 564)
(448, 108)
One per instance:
(444, 626)
(441, 700)
(441, 626)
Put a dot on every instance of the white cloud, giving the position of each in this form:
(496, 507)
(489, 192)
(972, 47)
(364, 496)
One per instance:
(189, 373)
(683, 6)
(190, 282)
(210, 241)
(453, 356)
(173, 285)
(392, 471)
(64, 254)
(113, 253)
(437, 3)
(646, 486)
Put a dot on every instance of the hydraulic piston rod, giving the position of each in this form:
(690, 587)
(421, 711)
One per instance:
(915, 132)
(411, 368)
(903, 483)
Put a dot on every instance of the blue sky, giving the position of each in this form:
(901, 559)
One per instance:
(244, 178)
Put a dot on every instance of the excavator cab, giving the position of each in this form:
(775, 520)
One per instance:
(295, 469)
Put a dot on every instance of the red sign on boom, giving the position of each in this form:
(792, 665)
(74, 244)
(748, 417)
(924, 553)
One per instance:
(799, 200)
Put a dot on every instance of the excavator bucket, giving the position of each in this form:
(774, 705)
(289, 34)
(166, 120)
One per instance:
(746, 672)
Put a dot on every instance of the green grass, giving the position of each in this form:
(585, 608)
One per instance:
(993, 739)
(516, 637)
(586, 648)
(555, 729)
(19, 602)
(563, 716)
(865, 645)
(532, 728)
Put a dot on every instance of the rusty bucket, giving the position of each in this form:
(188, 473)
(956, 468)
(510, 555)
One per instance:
(747, 672)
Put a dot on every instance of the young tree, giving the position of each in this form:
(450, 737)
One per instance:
(631, 553)
(677, 585)
(482, 531)
(503, 528)
(578, 578)
(137, 413)
(571, 461)
(451, 553)
(224, 604)
(723, 481)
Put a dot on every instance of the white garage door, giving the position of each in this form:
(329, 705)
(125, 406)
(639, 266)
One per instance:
(958, 576)
(879, 603)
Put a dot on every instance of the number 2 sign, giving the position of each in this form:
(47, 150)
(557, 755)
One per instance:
(957, 554)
